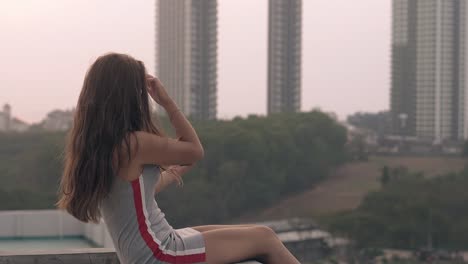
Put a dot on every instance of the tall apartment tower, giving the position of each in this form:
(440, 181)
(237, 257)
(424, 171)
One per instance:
(428, 69)
(186, 54)
(284, 55)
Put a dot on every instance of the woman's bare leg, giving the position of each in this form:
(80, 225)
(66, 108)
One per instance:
(205, 228)
(235, 244)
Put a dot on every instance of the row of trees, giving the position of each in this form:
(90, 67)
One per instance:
(411, 212)
(249, 163)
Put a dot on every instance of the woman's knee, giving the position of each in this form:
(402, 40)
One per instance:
(265, 231)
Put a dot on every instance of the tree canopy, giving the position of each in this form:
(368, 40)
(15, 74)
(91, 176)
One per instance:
(249, 163)
(411, 212)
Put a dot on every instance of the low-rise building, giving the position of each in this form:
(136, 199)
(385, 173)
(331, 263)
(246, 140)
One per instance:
(58, 120)
(9, 123)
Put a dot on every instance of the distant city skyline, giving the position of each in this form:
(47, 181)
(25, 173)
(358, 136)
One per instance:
(47, 47)
(55, 120)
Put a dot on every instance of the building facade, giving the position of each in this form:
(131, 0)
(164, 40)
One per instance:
(284, 55)
(186, 54)
(58, 120)
(428, 69)
(5, 118)
(8, 123)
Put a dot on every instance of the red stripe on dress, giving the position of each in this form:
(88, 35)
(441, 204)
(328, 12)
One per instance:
(143, 227)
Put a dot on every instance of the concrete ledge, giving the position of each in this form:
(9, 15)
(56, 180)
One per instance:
(77, 256)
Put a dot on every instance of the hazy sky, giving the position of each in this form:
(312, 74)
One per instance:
(46, 47)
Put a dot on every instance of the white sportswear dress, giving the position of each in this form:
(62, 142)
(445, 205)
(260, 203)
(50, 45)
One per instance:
(138, 228)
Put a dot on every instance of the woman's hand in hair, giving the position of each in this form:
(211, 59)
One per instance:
(157, 91)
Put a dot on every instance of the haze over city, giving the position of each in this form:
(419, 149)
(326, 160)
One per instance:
(47, 46)
(356, 151)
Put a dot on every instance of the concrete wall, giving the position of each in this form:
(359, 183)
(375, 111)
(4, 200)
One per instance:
(50, 223)
(88, 256)
(56, 223)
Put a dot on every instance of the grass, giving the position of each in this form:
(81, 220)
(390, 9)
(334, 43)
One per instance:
(347, 186)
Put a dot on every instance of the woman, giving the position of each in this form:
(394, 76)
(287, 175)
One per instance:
(112, 170)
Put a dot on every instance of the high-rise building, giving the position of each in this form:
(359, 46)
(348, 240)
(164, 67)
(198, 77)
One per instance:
(186, 54)
(284, 55)
(428, 69)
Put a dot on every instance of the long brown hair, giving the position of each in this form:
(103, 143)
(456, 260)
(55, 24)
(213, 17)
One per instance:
(112, 104)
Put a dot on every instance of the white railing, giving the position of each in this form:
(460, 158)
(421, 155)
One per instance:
(50, 223)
